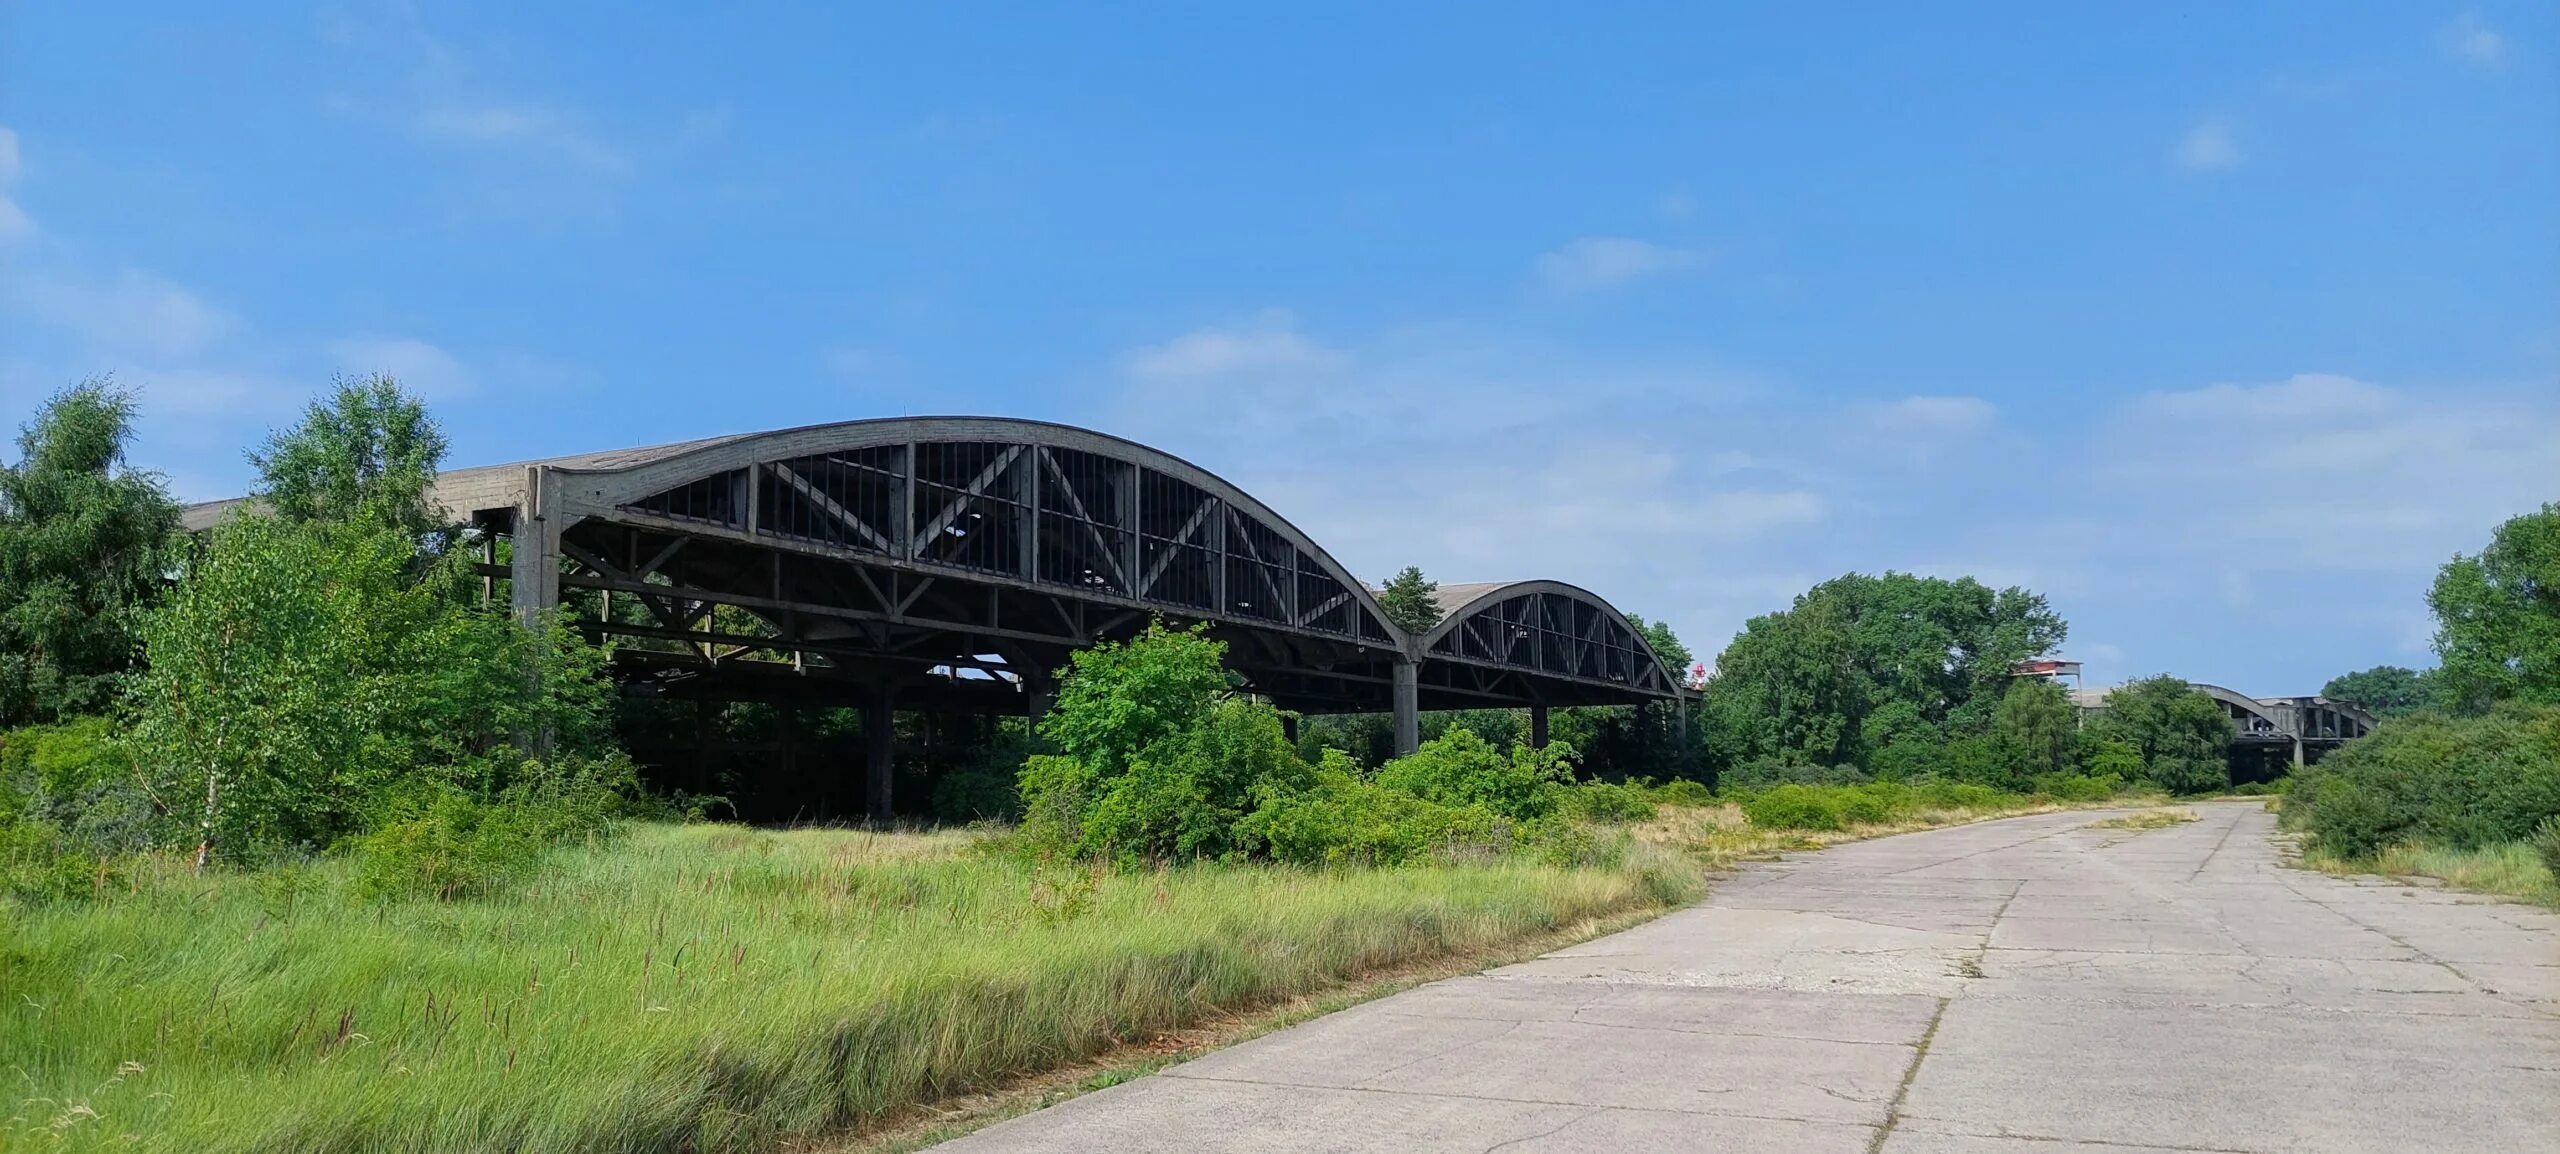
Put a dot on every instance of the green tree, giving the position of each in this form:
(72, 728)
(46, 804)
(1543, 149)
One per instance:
(84, 539)
(302, 674)
(2384, 690)
(1664, 643)
(2498, 617)
(2182, 736)
(1860, 664)
(367, 451)
(2034, 728)
(1409, 602)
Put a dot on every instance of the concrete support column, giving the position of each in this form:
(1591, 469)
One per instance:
(1408, 699)
(2297, 751)
(880, 743)
(1537, 727)
(533, 578)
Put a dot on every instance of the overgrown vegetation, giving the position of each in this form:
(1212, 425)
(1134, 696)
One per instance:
(684, 988)
(2468, 791)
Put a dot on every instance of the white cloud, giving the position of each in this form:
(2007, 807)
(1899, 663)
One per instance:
(2470, 39)
(14, 224)
(1933, 416)
(425, 369)
(526, 128)
(1266, 345)
(1593, 263)
(132, 314)
(2207, 146)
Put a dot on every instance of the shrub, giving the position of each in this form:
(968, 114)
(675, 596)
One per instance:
(1155, 761)
(1791, 806)
(1460, 769)
(2078, 787)
(1609, 801)
(1680, 791)
(2457, 782)
(1343, 816)
(2546, 845)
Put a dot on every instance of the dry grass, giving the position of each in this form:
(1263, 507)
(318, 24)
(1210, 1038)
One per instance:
(2509, 869)
(1719, 836)
(2147, 819)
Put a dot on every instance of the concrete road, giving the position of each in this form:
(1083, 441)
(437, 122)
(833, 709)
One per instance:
(2017, 987)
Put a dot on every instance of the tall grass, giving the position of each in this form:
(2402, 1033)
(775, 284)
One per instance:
(685, 988)
(2508, 869)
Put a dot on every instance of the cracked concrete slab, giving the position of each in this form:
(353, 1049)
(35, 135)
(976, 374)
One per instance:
(2078, 990)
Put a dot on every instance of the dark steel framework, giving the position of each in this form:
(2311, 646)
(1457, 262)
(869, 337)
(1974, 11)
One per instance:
(950, 564)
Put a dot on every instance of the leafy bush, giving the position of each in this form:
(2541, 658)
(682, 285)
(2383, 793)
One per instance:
(2456, 782)
(1680, 791)
(1156, 761)
(1609, 801)
(1792, 806)
(437, 840)
(1344, 816)
(2546, 845)
(1461, 769)
(2078, 787)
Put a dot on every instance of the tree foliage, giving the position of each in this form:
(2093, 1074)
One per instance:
(2498, 617)
(1664, 643)
(300, 672)
(368, 451)
(2462, 782)
(1156, 759)
(84, 539)
(2181, 736)
(1860, 664)
(1409, 601)
(2035, 729)
(2384, 690)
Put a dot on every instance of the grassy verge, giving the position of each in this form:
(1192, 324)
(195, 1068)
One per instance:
(2508, 869)
(689, 988)
(1720, 836)
(2147, 819)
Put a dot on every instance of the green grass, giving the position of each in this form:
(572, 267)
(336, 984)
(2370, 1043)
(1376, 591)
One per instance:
(686, 988)
(2507, 869)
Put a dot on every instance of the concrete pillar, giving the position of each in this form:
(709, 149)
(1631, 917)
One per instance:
(1408, 706)
(2297, 751)
(533, 580)
(1537, 727)
(880, 742)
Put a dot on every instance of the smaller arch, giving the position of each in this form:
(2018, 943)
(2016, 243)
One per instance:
(1546, 628)
(2250, 716)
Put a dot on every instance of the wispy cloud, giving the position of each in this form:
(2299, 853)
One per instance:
(130, 313)
(1265, 345)
(530, 129)
(2207, 146)
(425, 368)
(14, 225)
(1593, 263)
(2470, 39)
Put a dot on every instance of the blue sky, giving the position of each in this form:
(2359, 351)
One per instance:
(2221, 325)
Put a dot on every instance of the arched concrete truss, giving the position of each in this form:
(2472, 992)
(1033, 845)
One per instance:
(1543, 640)
(951, 563)
(2248, 717)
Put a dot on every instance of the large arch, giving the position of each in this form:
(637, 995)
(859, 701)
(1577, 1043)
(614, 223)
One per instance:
(948, 564)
